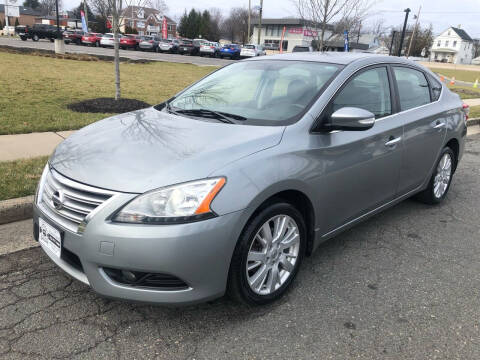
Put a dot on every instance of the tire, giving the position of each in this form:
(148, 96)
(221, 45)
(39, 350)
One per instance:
(432, 194)
(51, 39)
(239, 285)
(35, 37)
(23, 38)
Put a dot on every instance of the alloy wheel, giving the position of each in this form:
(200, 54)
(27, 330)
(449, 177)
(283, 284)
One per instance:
(273, 254)
(443, 175)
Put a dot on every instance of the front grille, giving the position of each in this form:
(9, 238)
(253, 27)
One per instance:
(77, 200)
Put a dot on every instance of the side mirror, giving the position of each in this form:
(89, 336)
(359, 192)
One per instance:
(350, 119)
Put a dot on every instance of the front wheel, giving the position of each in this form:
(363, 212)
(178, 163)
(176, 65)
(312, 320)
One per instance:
(268, 255)
(23, 38)
(441, 179)
(35, 37)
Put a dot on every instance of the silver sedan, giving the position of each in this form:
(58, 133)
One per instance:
(227, 186)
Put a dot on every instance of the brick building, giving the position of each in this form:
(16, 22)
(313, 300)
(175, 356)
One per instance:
(27, 16)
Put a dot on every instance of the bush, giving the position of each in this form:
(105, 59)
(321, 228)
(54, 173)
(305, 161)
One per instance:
(129, 30)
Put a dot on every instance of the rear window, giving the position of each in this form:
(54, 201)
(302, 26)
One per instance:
(249, 47)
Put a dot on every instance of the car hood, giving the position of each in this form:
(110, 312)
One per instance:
(147, 149)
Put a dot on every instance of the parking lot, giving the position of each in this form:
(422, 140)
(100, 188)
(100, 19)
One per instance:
(131, 54)
(403, 285)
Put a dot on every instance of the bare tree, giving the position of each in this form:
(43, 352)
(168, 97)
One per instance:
(115, 9)
(235, 26)
(348, 13)
(159, 5)
(47, 7)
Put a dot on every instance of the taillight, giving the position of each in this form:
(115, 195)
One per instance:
(466, 110)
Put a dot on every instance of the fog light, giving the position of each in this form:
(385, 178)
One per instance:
(128, 275)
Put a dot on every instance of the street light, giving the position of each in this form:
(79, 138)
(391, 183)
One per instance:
(407, 11)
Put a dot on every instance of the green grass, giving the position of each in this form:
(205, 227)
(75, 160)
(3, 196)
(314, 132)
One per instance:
(465, 92)
(474, 112)
(19, 178)
(35, 90)
(462, 75)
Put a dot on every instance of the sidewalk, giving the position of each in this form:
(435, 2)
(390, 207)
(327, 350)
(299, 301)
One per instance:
(22, 146)
(472, 102)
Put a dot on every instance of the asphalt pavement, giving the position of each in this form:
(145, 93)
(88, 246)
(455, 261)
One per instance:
(131, 54)
(403, 285)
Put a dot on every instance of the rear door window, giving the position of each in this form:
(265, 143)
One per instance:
(413, 89)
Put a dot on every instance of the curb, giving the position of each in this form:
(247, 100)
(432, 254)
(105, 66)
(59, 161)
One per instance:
(16, 209)
(68, 55)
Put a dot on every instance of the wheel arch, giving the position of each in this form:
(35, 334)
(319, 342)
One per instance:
(454, 144)
(293, 195)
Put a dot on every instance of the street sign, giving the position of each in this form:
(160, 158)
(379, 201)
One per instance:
(13, 3)
(13, 11)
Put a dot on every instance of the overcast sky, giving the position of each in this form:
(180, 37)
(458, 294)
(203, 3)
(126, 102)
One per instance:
(440, 13)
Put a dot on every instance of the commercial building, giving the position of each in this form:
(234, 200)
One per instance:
(297, 32)
(147, 21)
(27, 16)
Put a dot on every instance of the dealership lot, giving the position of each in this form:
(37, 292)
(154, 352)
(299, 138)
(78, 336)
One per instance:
(131, 54)
(401, 285)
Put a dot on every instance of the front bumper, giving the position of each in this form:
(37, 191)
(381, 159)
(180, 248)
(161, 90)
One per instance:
(198, 253)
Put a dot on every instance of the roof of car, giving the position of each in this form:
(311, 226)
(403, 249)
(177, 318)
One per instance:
(332, 57)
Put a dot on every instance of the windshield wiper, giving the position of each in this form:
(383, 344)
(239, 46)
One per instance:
(211, 114)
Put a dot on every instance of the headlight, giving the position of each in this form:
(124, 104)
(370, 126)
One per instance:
(173, 204)
(39, 191)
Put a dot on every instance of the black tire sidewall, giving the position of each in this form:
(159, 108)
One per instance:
(238, 278)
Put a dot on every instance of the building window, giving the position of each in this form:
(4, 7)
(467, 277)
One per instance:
(448, 33)
(273, 30)
(446, 42)
(455, 43)
(439, 43)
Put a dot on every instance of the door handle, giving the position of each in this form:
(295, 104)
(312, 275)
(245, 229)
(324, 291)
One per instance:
(439, 125)
(393, 141)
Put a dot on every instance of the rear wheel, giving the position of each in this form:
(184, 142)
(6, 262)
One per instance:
(23, 38)
(441, 179)
(268, 255)
(35, 37)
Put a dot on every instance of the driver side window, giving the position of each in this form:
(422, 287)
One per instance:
(369, 90)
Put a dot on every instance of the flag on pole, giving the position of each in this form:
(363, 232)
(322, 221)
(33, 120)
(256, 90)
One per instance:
(345, 35)
(109, 24)
(281, 41)
(164, 28)
(84, 23)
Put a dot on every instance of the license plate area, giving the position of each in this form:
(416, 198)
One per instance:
(50, 237)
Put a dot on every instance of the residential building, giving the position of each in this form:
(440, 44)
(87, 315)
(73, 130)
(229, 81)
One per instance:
(297, 32)
(27, 16)
(454, 46)
(147, 21)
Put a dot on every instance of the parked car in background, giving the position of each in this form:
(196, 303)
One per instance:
(168, 45)
(129, 42)
(150, 43)
(231, 50)
(271, 46)
(37, 32)
(234, 183)
(186, 47)
(73, 36)
(251, 50)
(299, 48)
(210, 49)
(107, 40)
(196, 45)
(91, 39)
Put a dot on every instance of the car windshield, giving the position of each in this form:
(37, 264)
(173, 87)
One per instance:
(265, 92)
(249, 47)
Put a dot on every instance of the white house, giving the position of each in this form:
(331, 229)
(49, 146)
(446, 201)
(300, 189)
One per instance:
(453, 45)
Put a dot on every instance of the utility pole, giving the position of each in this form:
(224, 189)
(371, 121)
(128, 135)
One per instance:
(391, 45)
(260, 22)
(6, 17)
(249, 16)
(407, 11)
(59, 35)
(414, 31)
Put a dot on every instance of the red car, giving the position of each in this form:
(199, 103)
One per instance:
(73, 36)
(129, 42)
(91, 39)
